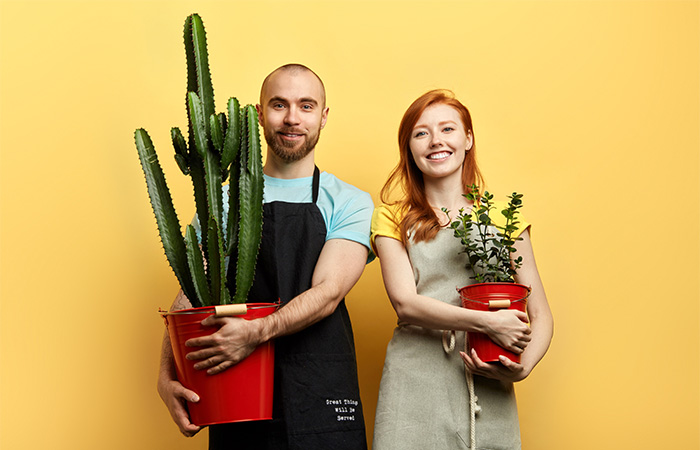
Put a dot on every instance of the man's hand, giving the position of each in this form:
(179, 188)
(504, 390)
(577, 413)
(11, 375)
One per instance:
(235, 339)
(174, 396)
(173, 393)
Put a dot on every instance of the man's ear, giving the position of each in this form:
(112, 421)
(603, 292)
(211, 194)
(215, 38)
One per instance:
(258, 108)
(324, 116)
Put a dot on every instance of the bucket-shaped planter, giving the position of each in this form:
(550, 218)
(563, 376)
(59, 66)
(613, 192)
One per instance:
(492, 297)
(238, 394)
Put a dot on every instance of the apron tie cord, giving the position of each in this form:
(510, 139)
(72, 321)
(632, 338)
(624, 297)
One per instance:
(448, 345)
(448, 341)
(474, 408)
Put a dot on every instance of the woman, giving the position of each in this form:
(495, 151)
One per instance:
(423, 397)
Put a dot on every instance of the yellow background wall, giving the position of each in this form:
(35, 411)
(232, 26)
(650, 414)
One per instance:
(589, 108)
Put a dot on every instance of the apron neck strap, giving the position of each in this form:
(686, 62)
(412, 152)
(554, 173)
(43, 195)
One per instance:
(316, 181)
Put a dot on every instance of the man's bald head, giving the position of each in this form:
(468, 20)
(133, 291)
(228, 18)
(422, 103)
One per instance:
(293, 69)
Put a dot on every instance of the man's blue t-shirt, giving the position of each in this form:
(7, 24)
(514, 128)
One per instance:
(346, 210)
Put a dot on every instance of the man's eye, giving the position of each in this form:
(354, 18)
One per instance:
(307, 107)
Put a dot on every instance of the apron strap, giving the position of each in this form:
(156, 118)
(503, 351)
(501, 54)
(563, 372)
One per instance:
(316, 181)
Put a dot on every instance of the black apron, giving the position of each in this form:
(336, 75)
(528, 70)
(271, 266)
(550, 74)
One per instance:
(316, 397)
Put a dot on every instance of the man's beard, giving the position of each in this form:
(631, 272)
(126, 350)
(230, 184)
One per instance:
(285, 150)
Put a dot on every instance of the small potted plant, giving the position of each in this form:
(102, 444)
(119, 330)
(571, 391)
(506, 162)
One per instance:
(220, 147)
(490, 250)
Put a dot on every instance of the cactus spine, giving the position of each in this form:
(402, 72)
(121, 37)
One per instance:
(219, 147)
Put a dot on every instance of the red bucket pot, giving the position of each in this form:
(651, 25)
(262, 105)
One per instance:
(492, 297)
(239, 394)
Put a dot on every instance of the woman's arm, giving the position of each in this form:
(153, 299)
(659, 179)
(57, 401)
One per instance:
(507, 328)
(541, 323)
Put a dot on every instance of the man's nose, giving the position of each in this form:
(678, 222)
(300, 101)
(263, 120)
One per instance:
(292, 116)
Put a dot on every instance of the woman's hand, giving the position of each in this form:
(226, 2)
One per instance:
(508, 370)
(509, 329)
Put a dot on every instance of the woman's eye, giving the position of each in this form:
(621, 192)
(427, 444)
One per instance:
(448, 129)
(420, 133)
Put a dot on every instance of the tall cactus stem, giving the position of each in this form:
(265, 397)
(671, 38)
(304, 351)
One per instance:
(164, 210)
(233, 136)
(213, 179)
(250, 207)
(205, 89)
(198, 163)
(199, 186)
(235, 139)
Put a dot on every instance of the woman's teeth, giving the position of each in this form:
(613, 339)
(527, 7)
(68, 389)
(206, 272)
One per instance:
(440, 155)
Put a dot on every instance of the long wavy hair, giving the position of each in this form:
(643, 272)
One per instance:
(419, 219)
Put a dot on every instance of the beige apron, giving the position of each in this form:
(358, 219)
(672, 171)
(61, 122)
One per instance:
(423, 398)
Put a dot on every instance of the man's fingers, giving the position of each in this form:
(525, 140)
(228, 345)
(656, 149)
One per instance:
(186, 394)
(220, 368)
(178, 411)
(203, 353)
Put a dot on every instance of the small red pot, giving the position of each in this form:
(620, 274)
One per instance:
(238, 394)
(492, 297)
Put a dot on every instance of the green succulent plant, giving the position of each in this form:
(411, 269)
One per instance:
(489, 246)
(219, 147)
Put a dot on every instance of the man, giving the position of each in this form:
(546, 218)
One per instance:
(315, 245)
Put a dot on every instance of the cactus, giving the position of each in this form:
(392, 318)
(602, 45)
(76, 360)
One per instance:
(218, 148)
(250, 205)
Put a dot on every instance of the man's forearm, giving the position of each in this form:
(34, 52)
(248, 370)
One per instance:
(339, 267)
(167, 359)
(301, 312)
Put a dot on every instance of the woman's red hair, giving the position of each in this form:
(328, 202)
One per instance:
(418, 216)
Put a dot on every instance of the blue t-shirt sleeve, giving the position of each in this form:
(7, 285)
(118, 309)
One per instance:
(346, 210)
(351, 220)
